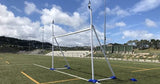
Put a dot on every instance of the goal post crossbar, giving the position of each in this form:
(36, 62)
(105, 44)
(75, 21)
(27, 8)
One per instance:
(71, 33)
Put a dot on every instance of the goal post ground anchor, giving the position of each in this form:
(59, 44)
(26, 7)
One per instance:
(68, 67)
(93, 80)
(52, 69)
(113, 77)
(133, 79)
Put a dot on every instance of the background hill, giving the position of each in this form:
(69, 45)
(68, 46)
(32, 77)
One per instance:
(13, 45)
(8, 44)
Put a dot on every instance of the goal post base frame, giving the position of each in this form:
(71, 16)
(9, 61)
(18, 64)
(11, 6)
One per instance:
(93, 80)
(133, 79)
(52, 69)
(113, 77)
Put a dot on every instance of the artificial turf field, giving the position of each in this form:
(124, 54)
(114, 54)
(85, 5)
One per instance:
(19, 69)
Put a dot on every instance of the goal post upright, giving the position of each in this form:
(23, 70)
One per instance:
(52, 68)
(54, 38)
(93, 80)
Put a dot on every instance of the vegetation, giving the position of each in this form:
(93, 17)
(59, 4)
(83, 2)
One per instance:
(8, 44)
(145, 44)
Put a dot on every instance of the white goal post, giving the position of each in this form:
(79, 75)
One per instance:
(92, 29)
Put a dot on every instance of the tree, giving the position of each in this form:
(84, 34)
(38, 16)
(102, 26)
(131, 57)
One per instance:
(153, 43)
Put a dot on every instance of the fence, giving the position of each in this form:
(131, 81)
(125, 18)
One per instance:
(118, 49)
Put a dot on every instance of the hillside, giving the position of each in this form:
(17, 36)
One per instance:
(8, 44)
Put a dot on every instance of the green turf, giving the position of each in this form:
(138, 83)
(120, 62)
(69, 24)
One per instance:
(11, 73)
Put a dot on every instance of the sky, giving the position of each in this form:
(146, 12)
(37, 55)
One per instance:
(125, 20)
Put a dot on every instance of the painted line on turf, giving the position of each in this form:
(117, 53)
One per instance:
(71, 75)
(41, 66)
(62, 72)
(17, 65)
(30, 78)
(7, 62)
(61, 81)
(145, 69)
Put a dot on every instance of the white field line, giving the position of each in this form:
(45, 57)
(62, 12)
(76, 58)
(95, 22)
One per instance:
(72, 75)
(41, 66)
(62, 72)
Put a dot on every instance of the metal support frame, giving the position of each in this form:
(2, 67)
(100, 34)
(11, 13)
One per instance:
(53, 38)
(71, 33)
(93, 80)
(104, 25)
(92, 29)
(42, 38)
(104, 53)
(68, 66)
(52, 46)
(91, 39)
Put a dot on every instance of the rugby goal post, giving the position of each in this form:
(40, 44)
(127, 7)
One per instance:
(92, 30)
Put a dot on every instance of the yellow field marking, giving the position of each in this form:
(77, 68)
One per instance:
(128, 67)
(7, 62)
(145, 69)
(30, 78)
(1, 58)
(60, 81)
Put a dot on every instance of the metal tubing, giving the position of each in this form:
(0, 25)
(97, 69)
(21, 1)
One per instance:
(52, 45)
(42, 37)
(104, 53)
(91, 37)
(62, 52)
(104, 79)
(72, 33)
(104, 25)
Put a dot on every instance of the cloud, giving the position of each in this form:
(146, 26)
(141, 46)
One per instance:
(137, 34)
(30, 8)
(145, 5)
(117, 24)
(15, 8)
(115, 11)
(80, 39)
(120, 24)
(19, 27)
(150, 23)
(60, 17)
(25, 28)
